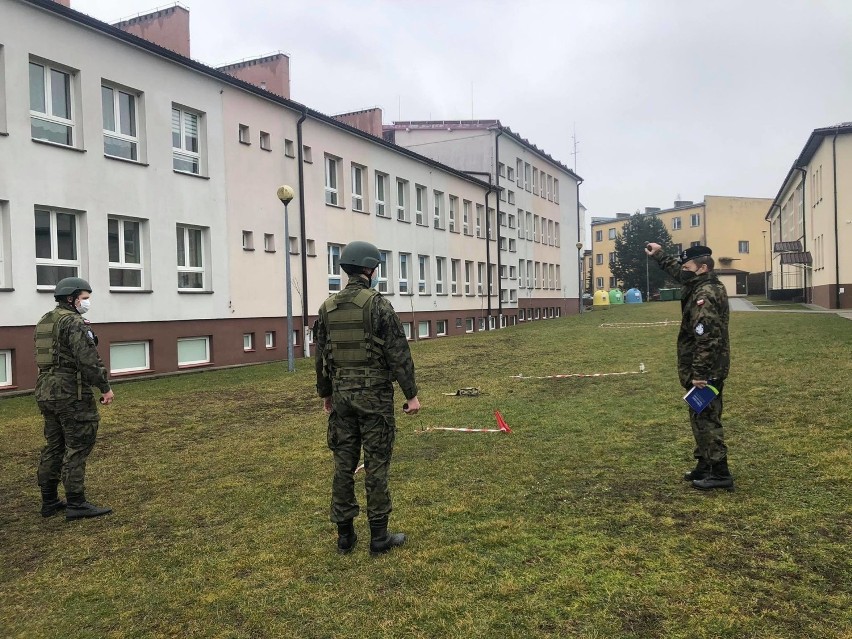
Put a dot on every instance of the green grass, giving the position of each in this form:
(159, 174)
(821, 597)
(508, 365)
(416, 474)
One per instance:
(575, 525)
(761, 302)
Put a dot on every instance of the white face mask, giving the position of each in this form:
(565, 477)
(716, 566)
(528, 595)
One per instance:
(84, 306)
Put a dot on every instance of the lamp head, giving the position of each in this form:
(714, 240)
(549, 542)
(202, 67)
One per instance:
(286, 194)
(579, 245)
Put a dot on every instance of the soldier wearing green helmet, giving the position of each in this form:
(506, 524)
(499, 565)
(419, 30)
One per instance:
(361, 350)
(68, 367)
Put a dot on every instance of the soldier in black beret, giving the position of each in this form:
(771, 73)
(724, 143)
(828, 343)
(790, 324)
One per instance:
(703, 355)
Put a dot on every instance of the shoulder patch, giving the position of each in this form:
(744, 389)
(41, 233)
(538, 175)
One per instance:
(700, 302)
(699, 329)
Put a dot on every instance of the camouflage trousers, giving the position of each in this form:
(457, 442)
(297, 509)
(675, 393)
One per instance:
(708, 433)
(361, 418)
(70, 430)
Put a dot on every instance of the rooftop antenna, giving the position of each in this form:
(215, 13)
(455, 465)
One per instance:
(575, 143)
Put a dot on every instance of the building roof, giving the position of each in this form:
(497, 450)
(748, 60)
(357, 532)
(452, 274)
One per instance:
(625, 216)
(807, 153)
(787, 247)
(797, 258)
(107, 29)
(480, 125)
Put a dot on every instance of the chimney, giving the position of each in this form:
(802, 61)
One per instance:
(368, 120)
(651, 209)
(269, 72)
(168, 28)
(622, 216)
(680, 203)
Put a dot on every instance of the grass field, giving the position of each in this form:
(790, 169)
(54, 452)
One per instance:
(575, 525)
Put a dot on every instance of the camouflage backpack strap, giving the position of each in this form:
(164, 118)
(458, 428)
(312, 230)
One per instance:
(47, 353)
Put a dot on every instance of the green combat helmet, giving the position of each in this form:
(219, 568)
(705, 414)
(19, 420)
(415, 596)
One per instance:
(360, 254)
(69, 285)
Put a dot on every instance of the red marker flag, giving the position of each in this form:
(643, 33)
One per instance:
(502, 422)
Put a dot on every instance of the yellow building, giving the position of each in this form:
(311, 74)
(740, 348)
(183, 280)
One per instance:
(731, 226)
(810, 227)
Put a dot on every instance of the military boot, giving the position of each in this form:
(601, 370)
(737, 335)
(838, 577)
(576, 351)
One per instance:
(701, 471)
(346, 537)
(381, 541)
(719, 477)
(79, 508)
(50, 502)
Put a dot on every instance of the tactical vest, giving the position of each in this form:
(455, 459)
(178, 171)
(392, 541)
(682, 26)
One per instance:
(48, 353)
(353, 350)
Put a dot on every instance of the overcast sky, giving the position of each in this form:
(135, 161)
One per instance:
(671, 99)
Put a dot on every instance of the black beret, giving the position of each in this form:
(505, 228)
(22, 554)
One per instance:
(692, 252)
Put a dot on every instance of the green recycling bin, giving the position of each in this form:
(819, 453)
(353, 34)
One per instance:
(676, 292)
(666, 294)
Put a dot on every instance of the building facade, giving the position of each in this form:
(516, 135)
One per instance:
(154, 177)
(731, 226)
(810, 224)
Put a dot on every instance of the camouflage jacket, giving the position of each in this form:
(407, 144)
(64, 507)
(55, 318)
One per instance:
(78, 366)
(395, 354)
(703, 347)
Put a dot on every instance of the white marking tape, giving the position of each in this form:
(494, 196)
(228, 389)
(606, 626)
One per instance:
(638, 324)
(566, 375)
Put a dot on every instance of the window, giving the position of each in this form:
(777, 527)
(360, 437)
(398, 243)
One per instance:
(612, 233)
(357, 188)
(2, 90)
(289, 148)
(6, 368)
(537, 274)
(124, 245)
(406, 327)
(678, 248)
(307, 154)
(245, 134)
(558, 278)
(293, 245)
(193, 351)
(695, 219)
(598, 236)
(519, 164)
(331, 180)
(511, 197)
(422, 329)
(675, 224)
(404, 259)
(5, 244)
(402, 200)
(248, 341)
(512, 221)
(468, 276)
(248, 240)
(481, 323)
(51, 114)
(521, 273)
(265, 141)
(269, 243)
(440, 327)
(270, 339)
(57, 248)
(527, 176)
(504, 271)
(466, 217)
(513, 273)
(190, 257)
(479, 211)
(535, 228)
(185, 141)
(530, 265)
(502, 243)
(468, 325)
(513, 245)
(743, 246)
(501, 169)
(480, 278)
(535, 181)
(334, 267)
(438, 218)
(521, 315)
(695, 243)
(556, 233)
(510, 174)
(490, 223)
(129, 357)
(440, 270)
(455, 267)
(599, 258)
(420, 204)
(383, 275)
(550, 187)
(119, 115)
(311, 248)
(423, 274)
(530, 226)
(381, 194)
(612, 257)
(520, 223)
(612, 282)
(454, 207)
(555, 191)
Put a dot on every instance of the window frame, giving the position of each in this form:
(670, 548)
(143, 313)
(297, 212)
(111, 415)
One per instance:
(333, 251)
(57, 262)
(181, 153)
(403, 279)
(208, 360)
(357, 176)
(123, 264)
(420, 204)
(136, 369)
(7, 368)
(383, 275)
(184, 268)
(47, 95)
(381, 202)
(402, 200)
(331, 180)
(132, 140)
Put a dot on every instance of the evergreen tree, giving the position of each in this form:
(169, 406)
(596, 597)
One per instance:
(631, 263)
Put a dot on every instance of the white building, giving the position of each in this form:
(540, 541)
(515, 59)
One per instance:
(154, 177)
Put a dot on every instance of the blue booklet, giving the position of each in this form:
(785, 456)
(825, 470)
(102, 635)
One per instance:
(699, 398)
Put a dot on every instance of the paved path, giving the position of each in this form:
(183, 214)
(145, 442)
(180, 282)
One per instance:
(742, 304)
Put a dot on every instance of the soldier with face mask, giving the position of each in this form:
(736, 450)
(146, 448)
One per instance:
(68, 367)
(703, 355)
(361, 350)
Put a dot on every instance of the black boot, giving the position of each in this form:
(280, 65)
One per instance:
(79, 508)
(701, 471)
(50, 502)
(381, 541)
(720, 477)
(346, 537)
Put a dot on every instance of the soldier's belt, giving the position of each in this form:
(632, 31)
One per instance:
(363, 373)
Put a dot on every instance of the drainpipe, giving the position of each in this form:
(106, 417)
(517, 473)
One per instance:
(487, 251)
(836, 227)
(304, 241)
(497, 224)
(579, 240)
(804, 231)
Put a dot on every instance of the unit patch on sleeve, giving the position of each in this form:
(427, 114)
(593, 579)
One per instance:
(700, 302)
(699, 329)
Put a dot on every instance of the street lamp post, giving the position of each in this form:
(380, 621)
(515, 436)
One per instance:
(647, 281)
(580, 275)
(286, 195)
(765, 269)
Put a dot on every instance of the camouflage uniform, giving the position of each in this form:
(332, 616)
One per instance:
(703, 352)
(358, 325)
(64, 396)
